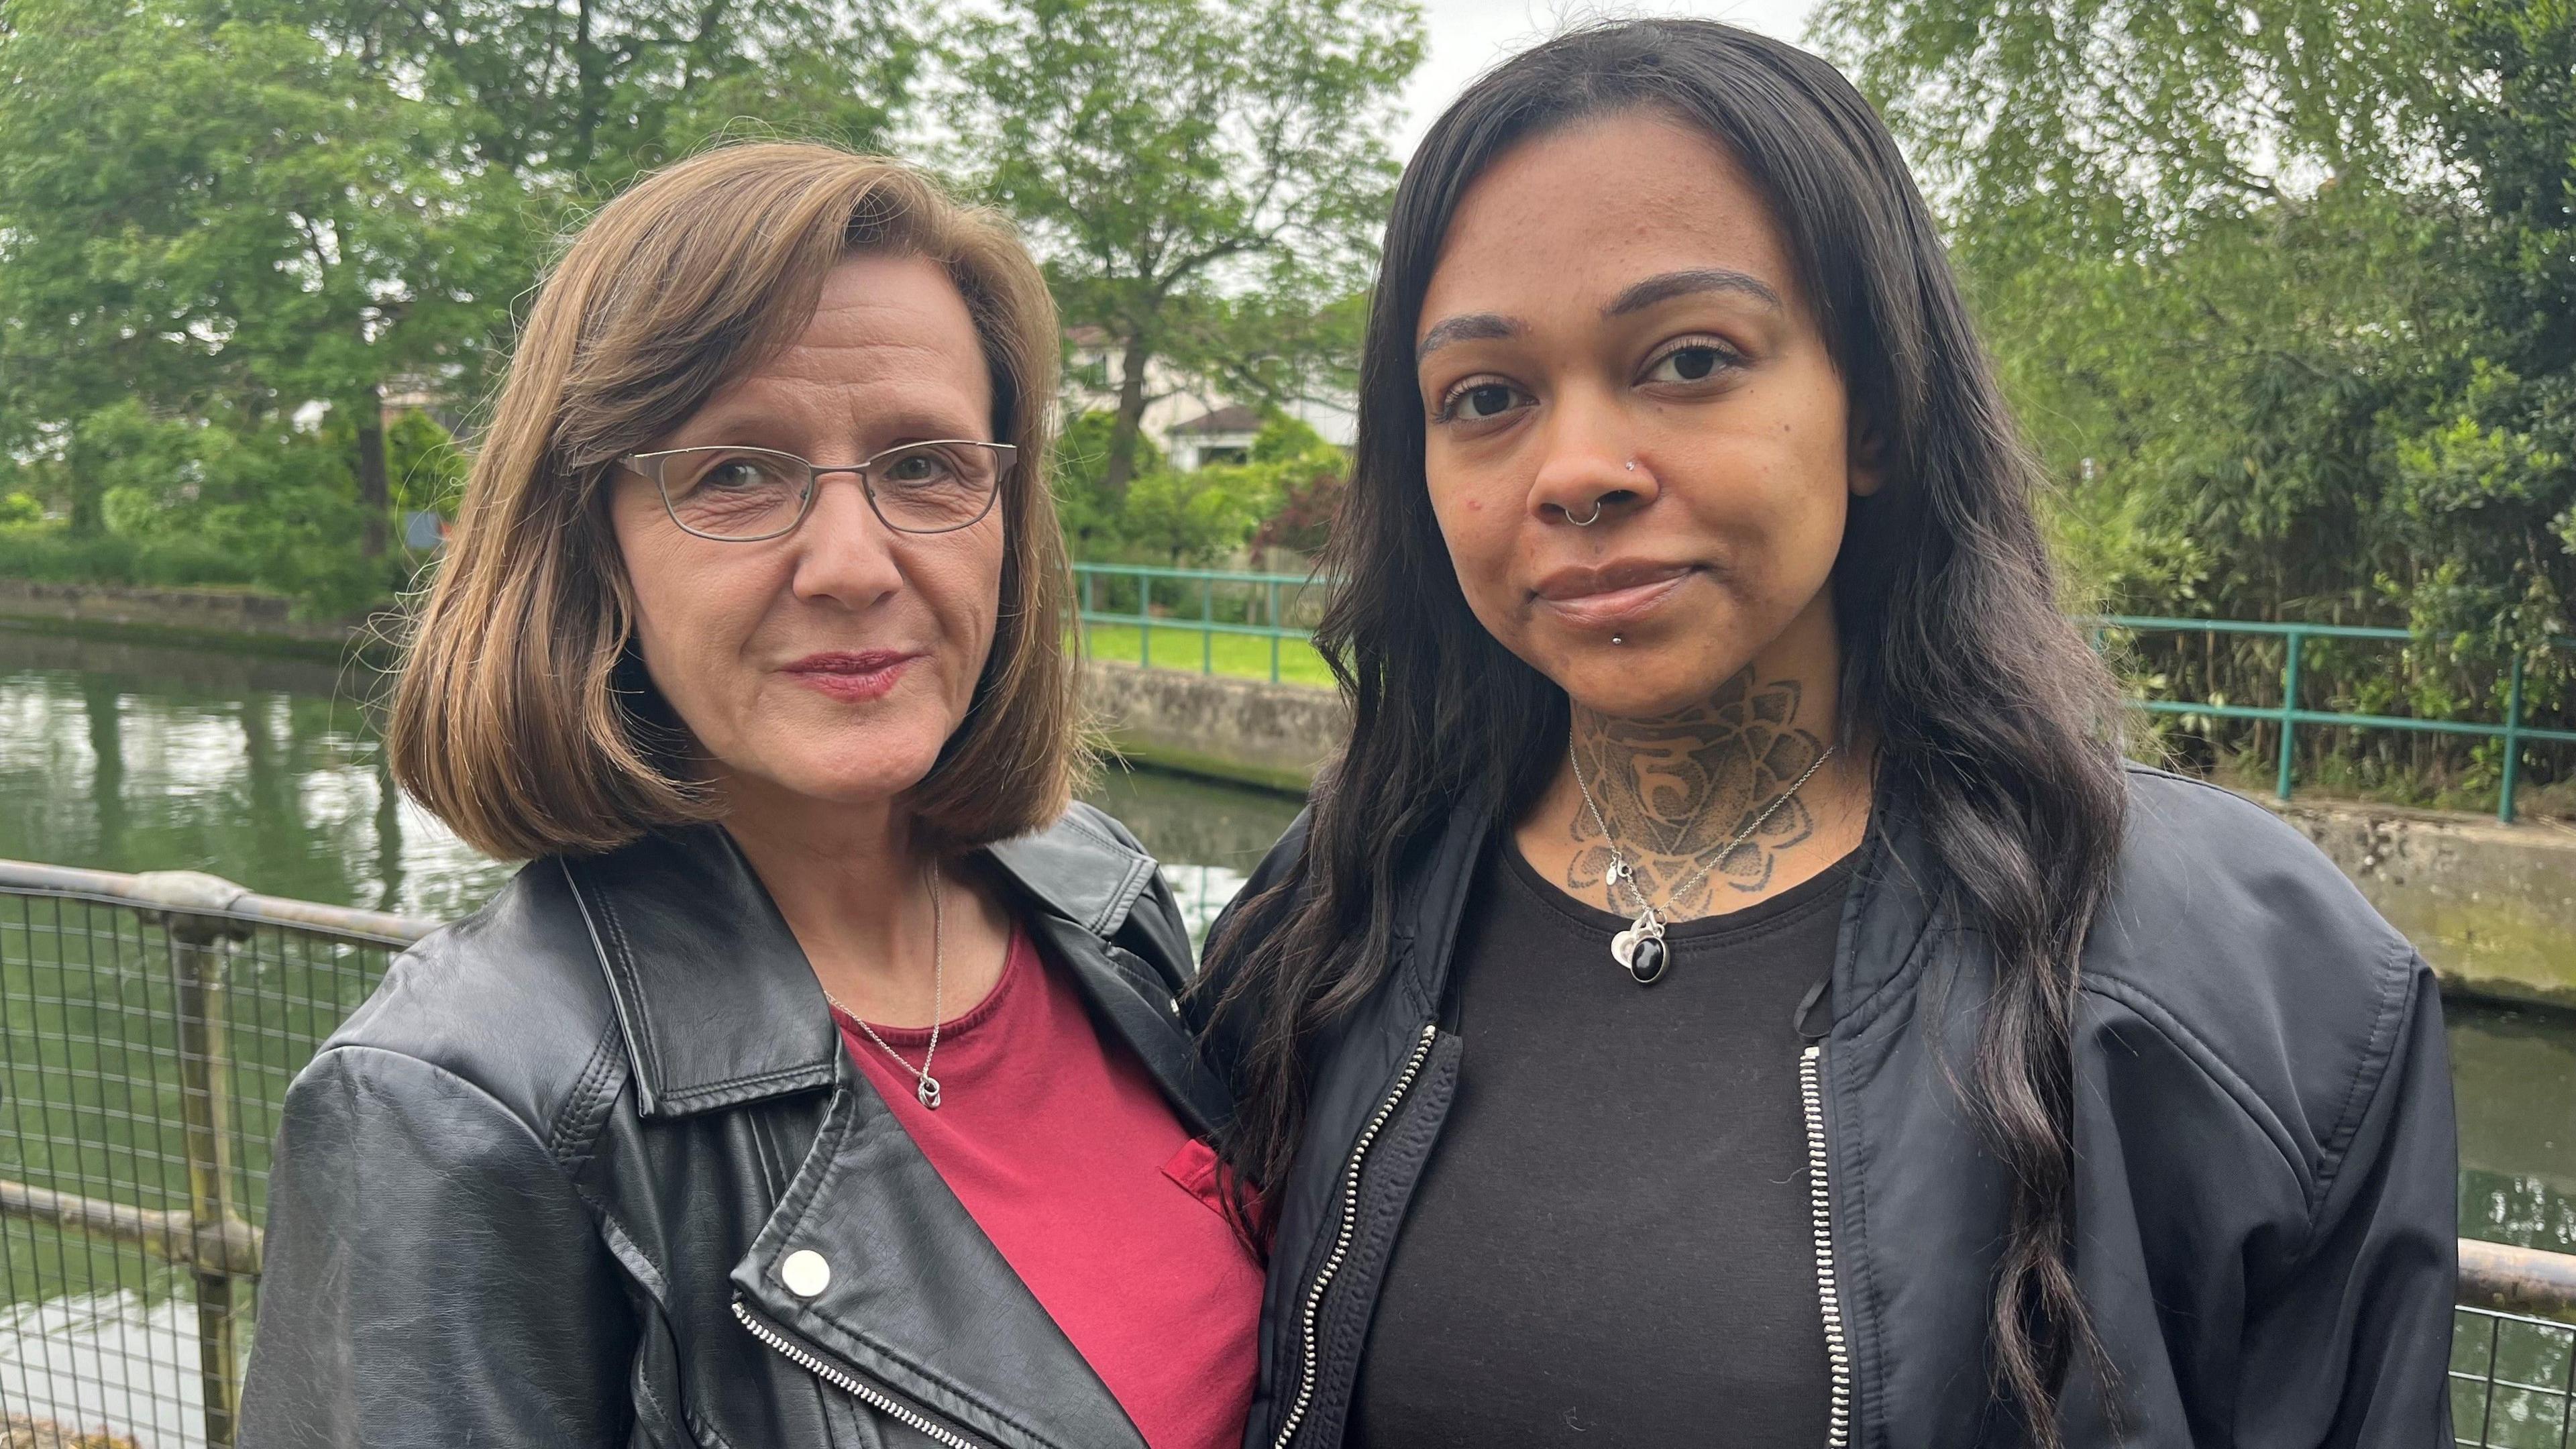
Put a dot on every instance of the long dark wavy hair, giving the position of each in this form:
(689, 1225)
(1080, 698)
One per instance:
(1994, 722)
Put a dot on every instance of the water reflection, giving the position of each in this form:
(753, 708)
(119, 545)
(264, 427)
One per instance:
(110, 1361)
(261, 770)
(1208, 838)
(2514, 1071)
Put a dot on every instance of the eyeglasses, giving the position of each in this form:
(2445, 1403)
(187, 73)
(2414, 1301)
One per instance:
(744, 495)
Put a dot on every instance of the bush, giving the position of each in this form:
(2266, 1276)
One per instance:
(1283, 494)
(1194, 517)
(1306, 477)
(270, 506)
(52, 553)
(1090, 516)
(1307, 506)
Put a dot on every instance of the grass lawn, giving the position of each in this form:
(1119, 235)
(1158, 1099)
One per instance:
(1179, 645)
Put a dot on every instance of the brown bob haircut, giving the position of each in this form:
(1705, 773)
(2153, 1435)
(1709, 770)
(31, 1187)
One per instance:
(522, 716)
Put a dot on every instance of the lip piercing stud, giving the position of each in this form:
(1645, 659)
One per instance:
(1615, 639)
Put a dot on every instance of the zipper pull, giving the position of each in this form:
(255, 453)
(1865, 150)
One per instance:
(1806, 1007)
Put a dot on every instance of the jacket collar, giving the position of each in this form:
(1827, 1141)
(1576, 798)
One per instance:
(716, 999)
(1890, 915)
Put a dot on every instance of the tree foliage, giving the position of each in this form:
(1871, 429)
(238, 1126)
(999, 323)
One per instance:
(1168, 516)
(218, 221)
(228, 227)
(1205, 178)
(2287, 289)
(582, 95)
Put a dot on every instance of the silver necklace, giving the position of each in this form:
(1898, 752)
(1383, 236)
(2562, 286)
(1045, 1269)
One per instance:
(1640, 949)
(925, 1086)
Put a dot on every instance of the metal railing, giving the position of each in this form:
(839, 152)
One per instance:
(2513, 1348)
(1254, 606)
(2513, 731)
(149, 1026)
(1215, 603)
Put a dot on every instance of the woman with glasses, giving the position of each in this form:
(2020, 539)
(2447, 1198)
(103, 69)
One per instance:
(818, 1082)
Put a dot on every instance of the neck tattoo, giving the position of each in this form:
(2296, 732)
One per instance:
(1685, 802)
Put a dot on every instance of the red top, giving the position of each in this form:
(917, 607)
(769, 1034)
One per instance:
(1067, 1156)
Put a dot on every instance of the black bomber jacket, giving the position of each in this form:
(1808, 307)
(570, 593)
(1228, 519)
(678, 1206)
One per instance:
(2266, 1171)
(539, 1188)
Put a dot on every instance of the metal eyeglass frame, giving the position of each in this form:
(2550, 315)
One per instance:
(1006, 456)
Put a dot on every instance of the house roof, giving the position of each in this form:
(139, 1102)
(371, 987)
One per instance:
(1232, 419)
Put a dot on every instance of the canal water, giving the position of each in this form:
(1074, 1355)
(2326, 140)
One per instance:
(264, 770)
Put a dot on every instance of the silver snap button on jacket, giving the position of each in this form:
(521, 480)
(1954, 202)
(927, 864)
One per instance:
(805, 1273)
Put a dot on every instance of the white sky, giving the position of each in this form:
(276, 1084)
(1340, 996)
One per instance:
(1468, 35)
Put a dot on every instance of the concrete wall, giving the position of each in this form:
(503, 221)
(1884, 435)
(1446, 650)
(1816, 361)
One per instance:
(171, 613)
(1246, 730)
(2493, 907)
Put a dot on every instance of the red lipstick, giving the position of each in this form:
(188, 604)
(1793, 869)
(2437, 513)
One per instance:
(852, 677)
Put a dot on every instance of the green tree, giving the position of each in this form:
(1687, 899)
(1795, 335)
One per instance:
(580, 96)
(223, 223)
(2286, 289)
(1238, 179)
(427, 465)
(230, 213)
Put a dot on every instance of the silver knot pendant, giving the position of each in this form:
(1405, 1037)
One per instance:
(927, 1089)
(1640, 949)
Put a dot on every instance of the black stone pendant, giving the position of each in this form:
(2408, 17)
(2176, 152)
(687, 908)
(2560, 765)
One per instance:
(1646, 961)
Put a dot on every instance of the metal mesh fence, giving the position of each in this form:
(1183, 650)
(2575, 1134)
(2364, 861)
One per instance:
(2512, 1379)
(143, 1058)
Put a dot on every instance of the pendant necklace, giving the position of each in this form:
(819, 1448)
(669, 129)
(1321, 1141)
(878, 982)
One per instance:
(1640, 949)
(924, 1085)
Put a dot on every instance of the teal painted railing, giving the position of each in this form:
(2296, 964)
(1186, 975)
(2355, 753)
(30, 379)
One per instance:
(2514, 731)
(1259, 598)
(1186, 590)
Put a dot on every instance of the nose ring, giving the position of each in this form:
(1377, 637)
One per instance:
(1588, 519)
(1632, 465)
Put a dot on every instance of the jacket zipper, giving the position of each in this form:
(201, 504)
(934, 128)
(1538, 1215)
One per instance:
(1312, 1368)
(901, 1413)
(1811, 1094)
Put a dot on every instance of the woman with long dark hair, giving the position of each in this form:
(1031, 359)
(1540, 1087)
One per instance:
(1731, 988)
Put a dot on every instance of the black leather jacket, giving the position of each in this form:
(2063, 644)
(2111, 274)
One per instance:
(537, 1191)
(2266, 1174)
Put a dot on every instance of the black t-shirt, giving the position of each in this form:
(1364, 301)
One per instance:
(1613, 1242)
